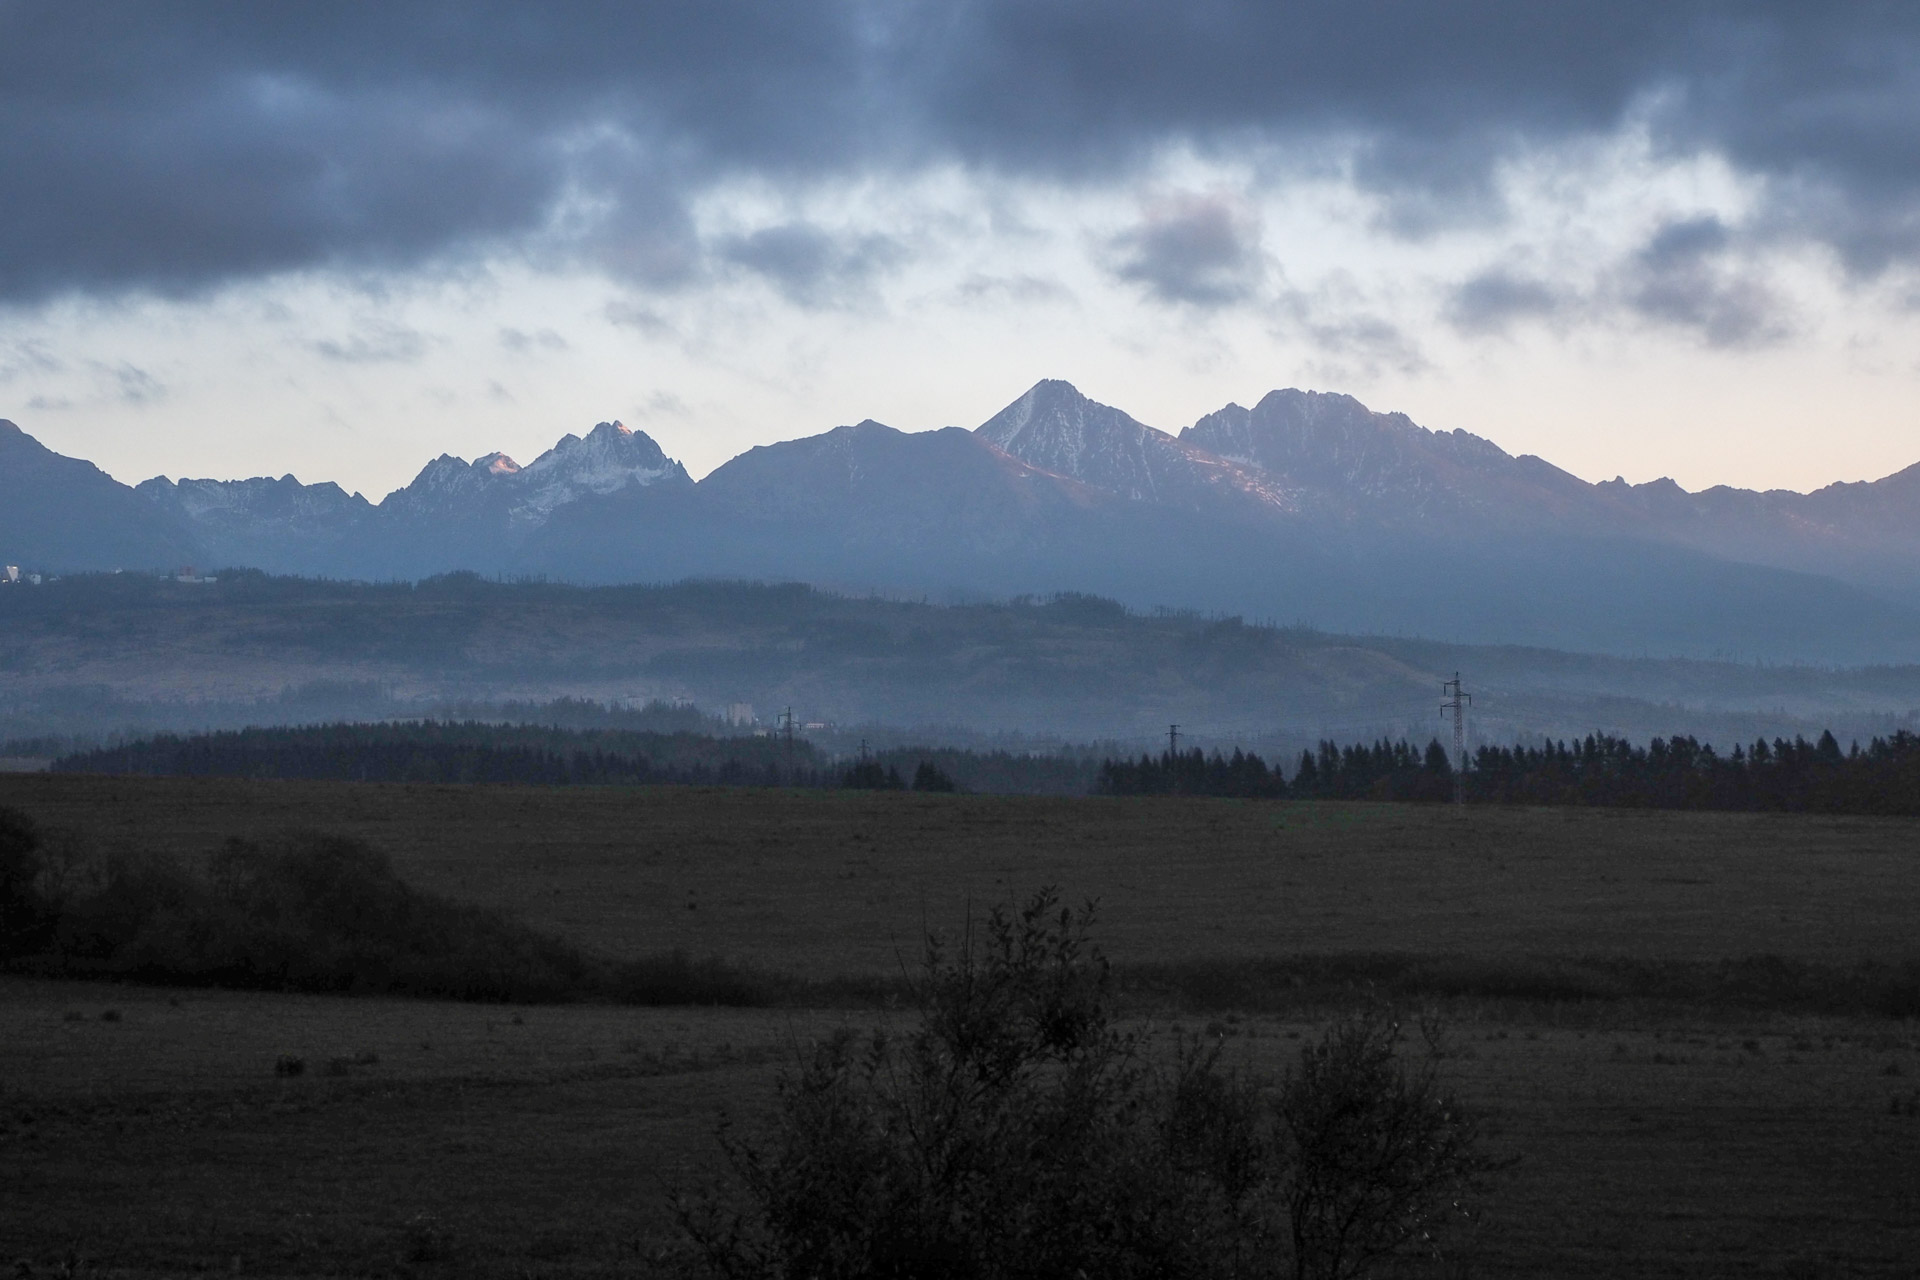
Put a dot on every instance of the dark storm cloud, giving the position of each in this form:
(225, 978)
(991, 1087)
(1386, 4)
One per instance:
(812, 267)
(173, 146)
(1198, 249)
(1686, 276)
(1493, 300)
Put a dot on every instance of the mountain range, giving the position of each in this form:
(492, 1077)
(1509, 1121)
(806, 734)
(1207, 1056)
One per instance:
(1307, 507)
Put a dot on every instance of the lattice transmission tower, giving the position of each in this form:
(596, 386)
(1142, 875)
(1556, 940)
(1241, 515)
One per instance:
(1455, 699)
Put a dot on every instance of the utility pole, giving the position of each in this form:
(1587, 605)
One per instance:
(786, 723)
(1173, 742)
(1456, 700)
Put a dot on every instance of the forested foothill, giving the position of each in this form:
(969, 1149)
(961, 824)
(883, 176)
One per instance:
(1601, 771)
(97, 658)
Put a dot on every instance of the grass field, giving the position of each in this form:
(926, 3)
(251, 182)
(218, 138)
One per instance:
(824, 883)
(1655, 1138)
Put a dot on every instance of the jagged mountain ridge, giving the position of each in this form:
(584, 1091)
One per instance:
(281, 524)
(453, 514)
(1384, 467)
(1326, 456)
(1307, 506)
(610, 457)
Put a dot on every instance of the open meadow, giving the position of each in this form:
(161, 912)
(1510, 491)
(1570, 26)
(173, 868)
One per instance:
(828, 883)
(147, 1131)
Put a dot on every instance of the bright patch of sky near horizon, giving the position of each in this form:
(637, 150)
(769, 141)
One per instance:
(1614, 304)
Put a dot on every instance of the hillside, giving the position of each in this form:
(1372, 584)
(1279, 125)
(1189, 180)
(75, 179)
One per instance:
(101, 653)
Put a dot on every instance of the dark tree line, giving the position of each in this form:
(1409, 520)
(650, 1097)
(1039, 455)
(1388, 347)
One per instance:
(1599, 770)
(466, 753)
(430, 751)
(871, 775)
(1191, 773)
(1682, 773)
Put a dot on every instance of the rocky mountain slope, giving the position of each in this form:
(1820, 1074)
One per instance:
(1308, 506)
(58, 512)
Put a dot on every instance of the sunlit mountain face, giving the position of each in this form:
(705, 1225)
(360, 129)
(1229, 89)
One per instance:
(1308, 506)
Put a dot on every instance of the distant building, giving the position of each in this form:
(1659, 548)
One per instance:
(13, 573)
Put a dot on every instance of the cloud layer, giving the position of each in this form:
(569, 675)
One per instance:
(175, 147)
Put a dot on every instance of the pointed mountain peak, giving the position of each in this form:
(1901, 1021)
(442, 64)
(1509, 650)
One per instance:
(498, 464)
(611, 457)
(1053, 427)
(609, 444)
(1049, 407)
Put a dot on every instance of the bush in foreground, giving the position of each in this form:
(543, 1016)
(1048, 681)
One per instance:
(307, 912)
(310, 912)
(1018, 1131)
(23, 912)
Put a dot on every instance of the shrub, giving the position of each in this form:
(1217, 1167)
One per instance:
(22, 913)
(309, 912)
(1379, 1156)
(1018, 1131)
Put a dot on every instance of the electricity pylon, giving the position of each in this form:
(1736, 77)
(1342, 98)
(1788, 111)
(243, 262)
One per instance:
(1456, 700)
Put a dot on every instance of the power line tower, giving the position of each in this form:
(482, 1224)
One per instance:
(1456, 700)
(1173, 742)
(786, 730)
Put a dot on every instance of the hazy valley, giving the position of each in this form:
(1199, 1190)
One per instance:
(104, 654)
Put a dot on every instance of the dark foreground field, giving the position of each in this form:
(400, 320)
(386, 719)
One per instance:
(1656, 1137)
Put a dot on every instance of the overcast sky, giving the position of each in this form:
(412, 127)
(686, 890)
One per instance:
(1646, 237)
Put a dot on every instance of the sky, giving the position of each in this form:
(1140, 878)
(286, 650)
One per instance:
(1642, 238)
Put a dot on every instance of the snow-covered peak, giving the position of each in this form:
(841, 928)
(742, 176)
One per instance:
(611, 457)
